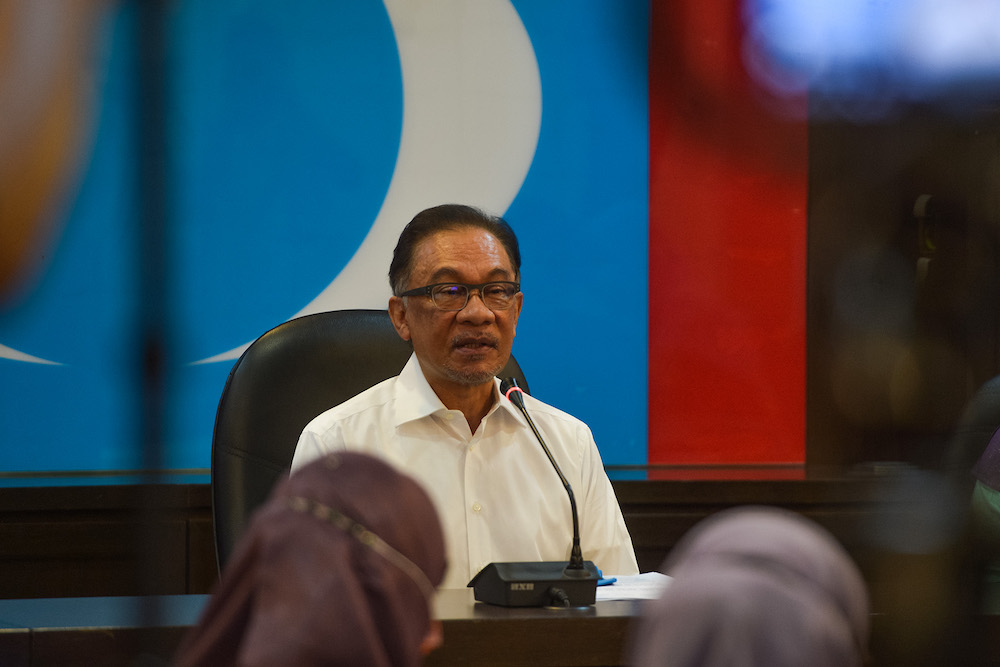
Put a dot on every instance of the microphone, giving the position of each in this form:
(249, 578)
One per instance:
(516, 396)
(539, 584)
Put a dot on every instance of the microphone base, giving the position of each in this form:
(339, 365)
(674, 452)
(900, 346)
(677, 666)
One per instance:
(535, 584)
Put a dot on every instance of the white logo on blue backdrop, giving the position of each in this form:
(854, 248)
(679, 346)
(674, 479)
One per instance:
(303, 138)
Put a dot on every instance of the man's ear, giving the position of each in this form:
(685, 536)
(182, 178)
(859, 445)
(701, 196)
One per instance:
(397, 313)
(516, 308)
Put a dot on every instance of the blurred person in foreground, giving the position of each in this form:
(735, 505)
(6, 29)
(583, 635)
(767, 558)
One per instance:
(756, 586)
(339, 567)
(985, 504)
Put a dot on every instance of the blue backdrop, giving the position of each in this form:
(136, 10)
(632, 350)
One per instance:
(285, 131)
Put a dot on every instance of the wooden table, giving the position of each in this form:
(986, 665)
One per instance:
(109, 631)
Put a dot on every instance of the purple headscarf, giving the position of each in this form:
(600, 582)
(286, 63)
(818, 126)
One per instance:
(339, 567)
(756, 586)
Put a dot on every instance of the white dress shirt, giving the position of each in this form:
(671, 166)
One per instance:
(497, 495)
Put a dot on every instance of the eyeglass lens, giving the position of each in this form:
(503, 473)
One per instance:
(496, 296)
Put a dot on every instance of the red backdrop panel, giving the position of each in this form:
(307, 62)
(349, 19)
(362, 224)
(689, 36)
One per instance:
(727, 245)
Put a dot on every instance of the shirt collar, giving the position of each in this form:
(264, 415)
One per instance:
(417, 400)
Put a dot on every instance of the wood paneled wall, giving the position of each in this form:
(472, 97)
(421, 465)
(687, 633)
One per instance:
(74, 541)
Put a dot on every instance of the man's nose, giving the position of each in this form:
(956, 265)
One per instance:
(476, 308)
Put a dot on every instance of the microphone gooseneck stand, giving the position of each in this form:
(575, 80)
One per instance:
(542, 583)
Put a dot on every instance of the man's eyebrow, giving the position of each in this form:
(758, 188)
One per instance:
(447, 273)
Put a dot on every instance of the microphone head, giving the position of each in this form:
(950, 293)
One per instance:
(509, 388)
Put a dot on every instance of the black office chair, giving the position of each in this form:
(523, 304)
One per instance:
(285, 378)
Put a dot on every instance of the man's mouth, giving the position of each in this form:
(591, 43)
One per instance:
(474, 343)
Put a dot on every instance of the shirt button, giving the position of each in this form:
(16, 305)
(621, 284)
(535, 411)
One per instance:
(476, 507)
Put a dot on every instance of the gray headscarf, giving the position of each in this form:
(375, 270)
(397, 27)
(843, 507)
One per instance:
(755, 587)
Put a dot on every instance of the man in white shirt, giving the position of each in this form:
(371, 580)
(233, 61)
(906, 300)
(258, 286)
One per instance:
(455, 276)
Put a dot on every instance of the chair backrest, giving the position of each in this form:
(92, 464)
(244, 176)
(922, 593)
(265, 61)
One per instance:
(285, 378)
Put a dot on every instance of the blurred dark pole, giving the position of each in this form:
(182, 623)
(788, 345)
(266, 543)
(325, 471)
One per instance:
(152, 218)
(152, 260)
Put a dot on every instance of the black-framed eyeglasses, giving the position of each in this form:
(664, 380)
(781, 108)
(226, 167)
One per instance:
(497, 295)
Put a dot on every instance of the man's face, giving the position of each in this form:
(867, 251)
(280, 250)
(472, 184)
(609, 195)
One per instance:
(465, 347)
